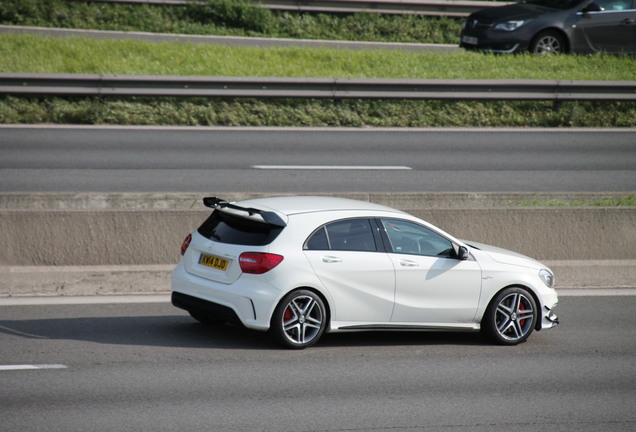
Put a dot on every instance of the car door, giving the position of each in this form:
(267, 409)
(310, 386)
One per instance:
(348, 259)
(610, 29)
(433, 287)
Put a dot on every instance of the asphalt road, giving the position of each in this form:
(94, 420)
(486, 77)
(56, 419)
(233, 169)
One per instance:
(311, 160)
(149, 367)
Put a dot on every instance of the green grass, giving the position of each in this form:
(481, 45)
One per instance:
(229, 18)
(308, 112)
(26, 53)
(49, 55)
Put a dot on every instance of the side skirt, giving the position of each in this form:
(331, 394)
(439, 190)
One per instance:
(404, 327)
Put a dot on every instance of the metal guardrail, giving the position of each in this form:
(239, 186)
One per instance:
(329, 88)
(457, 8)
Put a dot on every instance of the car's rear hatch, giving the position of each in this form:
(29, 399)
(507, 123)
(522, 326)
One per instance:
(227, 233)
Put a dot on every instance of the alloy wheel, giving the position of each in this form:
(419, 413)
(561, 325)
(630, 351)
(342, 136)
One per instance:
(302, 319)
(514, 317)
(548, 43)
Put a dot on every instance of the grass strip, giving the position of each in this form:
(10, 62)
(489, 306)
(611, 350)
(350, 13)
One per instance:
(229, 18)
(312, 113)
(28, 53)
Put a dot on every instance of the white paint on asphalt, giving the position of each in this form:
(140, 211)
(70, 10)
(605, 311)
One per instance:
(84, 300)
(332, 167)
(31, 367)
(596, 292)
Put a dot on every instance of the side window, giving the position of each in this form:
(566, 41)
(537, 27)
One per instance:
(614, 5)
(318, 240)
(410, 238)
(345, 235)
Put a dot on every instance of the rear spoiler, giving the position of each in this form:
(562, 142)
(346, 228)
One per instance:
(268, 216)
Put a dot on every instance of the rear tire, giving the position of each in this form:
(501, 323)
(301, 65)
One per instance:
(510, 317)
(548, 42)
(299, 319)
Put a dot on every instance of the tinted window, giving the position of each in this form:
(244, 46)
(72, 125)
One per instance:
(411, 238)
(345, 235)
(614, 5)
(557, 4)
(318, 240)
(227, 228)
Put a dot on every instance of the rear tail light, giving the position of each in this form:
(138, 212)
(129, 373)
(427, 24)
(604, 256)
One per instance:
(258, 263)
(185, 244)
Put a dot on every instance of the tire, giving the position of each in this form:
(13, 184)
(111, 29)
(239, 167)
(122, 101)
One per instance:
(510, 317)
(548, 42)
(299, 319)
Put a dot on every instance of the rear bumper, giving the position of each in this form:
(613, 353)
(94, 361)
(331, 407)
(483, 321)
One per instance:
(245, 301)
(215, 311)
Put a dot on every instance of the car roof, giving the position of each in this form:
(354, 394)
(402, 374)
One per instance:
(290, 205)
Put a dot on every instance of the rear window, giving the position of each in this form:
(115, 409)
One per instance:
(228, 228)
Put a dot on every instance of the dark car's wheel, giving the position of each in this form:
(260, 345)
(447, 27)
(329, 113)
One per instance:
(510, 317)
(299, 320)
(548, 42)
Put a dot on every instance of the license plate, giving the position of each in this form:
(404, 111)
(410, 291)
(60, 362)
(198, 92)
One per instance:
(470, 40)
(214, 262)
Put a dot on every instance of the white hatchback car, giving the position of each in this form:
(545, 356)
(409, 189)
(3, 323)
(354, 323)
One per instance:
(300, 266)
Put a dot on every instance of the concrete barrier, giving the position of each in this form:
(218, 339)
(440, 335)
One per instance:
(127, 243)
(147, 237)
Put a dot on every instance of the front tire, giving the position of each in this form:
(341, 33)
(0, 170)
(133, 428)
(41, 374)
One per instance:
(511, 317)
(548, 42)
(299, 319)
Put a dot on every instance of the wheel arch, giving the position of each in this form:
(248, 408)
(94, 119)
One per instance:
(314, 290)
(559, 31)
(537, 325)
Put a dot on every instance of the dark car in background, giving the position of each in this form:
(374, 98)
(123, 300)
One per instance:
(554, 26)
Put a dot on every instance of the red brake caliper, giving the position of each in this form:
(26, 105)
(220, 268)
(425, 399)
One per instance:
(288, 314)
(522, 307)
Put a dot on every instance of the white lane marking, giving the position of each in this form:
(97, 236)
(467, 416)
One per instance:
(31, 367)
(595, 292)
(84, 300)
(332, 167)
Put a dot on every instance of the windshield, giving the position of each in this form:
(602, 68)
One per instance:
(557, 4)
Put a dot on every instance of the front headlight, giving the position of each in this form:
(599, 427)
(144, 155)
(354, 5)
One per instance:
(510, 25)
(547, 277)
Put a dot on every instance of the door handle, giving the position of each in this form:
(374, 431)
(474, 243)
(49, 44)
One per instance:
(407, 263)
(331, 259)
(627, 21)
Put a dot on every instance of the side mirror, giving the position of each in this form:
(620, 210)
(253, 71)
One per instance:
(592, 7)
(462, 253)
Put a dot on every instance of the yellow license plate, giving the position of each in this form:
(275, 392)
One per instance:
(214, 262)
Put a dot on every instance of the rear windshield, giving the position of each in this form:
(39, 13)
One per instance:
(227, 228)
